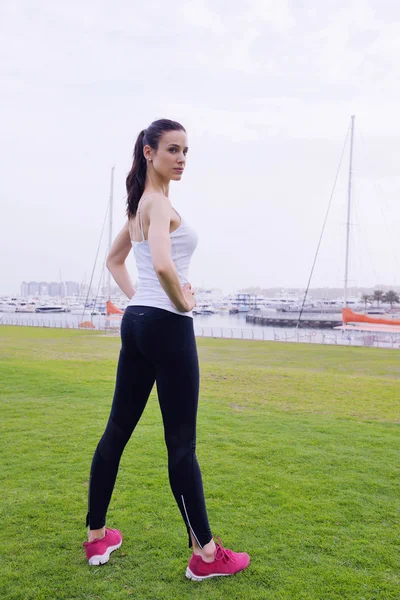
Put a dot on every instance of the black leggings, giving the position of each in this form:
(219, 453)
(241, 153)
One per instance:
(157, 345)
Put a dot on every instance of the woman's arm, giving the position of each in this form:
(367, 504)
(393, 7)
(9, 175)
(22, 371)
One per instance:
(159, 211)
(116, 261)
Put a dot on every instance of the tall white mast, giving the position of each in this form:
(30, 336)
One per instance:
(346, 270)
(110, 208)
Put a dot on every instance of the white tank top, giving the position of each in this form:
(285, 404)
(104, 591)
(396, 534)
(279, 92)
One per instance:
(149, 291)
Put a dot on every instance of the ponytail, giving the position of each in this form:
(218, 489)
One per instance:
(136, 178)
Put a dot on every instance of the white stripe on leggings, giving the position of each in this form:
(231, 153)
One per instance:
(191, 528)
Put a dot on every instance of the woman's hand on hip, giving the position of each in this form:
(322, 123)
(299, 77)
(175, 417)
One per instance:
(189, 296)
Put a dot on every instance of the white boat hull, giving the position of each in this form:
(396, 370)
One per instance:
(7, 308)
(48, 310)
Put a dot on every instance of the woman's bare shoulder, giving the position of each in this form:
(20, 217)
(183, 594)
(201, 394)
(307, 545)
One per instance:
(155, 198)
(157, 203)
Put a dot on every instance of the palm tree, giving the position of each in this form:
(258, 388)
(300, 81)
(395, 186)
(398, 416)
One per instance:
(365, 298)
(378, 296)
(392, 297)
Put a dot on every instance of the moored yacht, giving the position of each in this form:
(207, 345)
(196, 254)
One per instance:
(243, 302)
(51, 308)
(8, 306)
(203, 308)
(26, 307)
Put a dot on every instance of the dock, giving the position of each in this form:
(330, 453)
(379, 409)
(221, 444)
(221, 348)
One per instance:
(285, 319)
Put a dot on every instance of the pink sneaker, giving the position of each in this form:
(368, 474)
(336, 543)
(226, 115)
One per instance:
(226, 562)
(98, 552)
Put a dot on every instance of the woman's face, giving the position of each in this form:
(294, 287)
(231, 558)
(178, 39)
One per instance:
(169, 160)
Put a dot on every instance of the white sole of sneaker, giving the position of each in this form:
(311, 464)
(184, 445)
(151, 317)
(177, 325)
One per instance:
(103, 558)
(194, 577)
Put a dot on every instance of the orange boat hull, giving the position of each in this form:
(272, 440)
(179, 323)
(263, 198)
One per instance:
(348, 316)
(112, 309)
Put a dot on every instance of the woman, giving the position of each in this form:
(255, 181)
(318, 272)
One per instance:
(158, 345)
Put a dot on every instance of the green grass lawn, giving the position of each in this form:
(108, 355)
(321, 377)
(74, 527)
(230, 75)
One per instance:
(299, 449)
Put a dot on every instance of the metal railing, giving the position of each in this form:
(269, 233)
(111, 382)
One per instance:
(48, 323)
(309, 336)
(302, 336)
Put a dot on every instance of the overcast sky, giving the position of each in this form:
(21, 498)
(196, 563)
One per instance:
(265, 91)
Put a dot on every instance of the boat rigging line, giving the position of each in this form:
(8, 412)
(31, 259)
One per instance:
(110, 225)
(95, 260)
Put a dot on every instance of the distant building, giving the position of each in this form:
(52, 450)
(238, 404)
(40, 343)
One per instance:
(114, 290)
(44, 288)
(71, 288)
(33, 288)
(24, 289)
(54, 288)
(83, 289)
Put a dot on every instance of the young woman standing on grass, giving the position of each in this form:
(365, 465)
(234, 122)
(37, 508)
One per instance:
(157, 345)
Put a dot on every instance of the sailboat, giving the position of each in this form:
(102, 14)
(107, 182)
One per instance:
(113, 313)
(349, 316)
(99, 306)
(353, 321)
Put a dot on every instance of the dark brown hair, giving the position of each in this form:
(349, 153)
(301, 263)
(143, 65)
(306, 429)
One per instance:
(136, 178)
